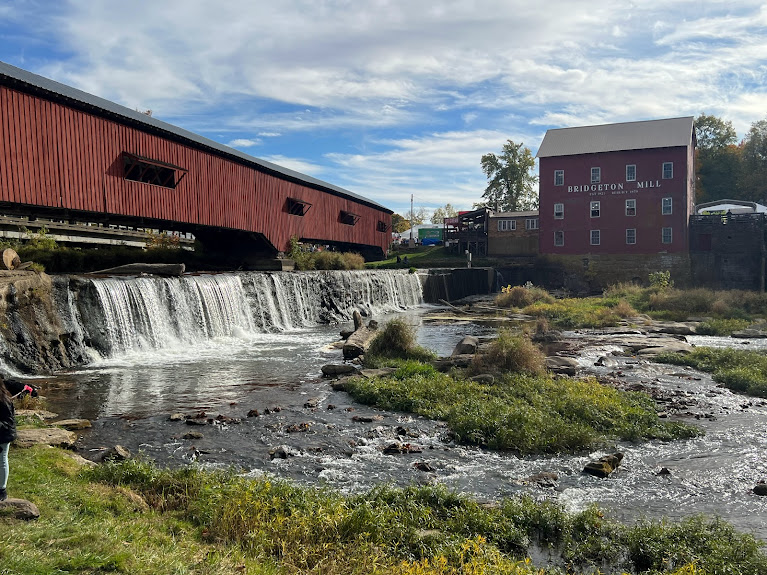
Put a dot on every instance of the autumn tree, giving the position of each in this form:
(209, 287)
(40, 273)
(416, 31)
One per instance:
(753, 175)
(399, 223)
(717, 159)
(510, 181)
(439, 215)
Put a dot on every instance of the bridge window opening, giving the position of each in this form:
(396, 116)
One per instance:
(297, 207)
(382, 226)
(154, 172)
(348, 218)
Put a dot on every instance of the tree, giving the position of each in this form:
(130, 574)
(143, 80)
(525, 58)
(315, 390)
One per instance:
(717, 159)
(510, 186)
(439, 215)
(399, 223)
(753, 175)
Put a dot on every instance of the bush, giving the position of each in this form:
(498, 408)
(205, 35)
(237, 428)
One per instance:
(510, 353)
(661, 280)
(522, 296)
(739, 370)
(396, 340)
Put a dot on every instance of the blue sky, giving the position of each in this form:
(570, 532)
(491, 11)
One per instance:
(389, 98)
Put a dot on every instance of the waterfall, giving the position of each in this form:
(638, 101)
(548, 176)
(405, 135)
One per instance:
(142, 313)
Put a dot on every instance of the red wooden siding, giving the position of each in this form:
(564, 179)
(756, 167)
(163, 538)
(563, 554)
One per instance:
(56, 156)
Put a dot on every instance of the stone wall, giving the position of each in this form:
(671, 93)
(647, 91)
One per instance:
(728, 251)
(587, 274)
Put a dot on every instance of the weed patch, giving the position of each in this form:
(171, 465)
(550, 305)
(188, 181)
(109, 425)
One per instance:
(519, 412)
(739, 370)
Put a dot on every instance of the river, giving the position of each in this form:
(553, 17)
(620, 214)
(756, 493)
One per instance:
(274, 368)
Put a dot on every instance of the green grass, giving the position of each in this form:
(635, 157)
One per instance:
(524, 413)
(132, 517)
(729, 311)
(429, 257)
(739, 370)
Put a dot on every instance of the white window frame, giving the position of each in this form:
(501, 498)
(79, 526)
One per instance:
(631, 236)
(507, 225)
(595, 234)
(668, 170)
(531, 224)
(559, 211)
(631, 209)
(559, 238)
(631, 172)
(596, 175)
(664, 232)
(595, 206)
(559, 177)
(667, 206)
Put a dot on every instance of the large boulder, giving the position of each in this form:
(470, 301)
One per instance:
(562, 365)
(19, 509)
(358, 342)
(468, 345)
(54, 436)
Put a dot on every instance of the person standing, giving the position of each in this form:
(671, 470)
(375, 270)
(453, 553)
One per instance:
(7, 434)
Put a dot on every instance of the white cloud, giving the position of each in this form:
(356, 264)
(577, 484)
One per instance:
(244, 143)
(297, 164)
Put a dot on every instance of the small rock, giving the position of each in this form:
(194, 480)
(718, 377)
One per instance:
(298, 427)
(116, 453)
(312, 403)
(760, 488)
(221, 418)
(663, 471)
(73, 424)
(425, 467)
(194, 421)
(253, 413)
(336, 369)
(604, 466)
(484, 378)
(19, 509)
(177, 417)
(562, 365)
(192, 435)
(544, 479)
(282, 452)
(331, 406)
(366, 418)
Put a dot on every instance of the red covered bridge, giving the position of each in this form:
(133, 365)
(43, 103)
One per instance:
(69, 155)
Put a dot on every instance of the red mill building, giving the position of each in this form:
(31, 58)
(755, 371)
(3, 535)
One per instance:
(618, 189)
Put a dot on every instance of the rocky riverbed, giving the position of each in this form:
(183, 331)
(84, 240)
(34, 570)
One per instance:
(268, 410)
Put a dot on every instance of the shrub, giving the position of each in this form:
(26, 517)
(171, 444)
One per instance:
(510, 353)
(722, 326)
(396, 340)
(624, 309)
(661, 280)
(522, 296)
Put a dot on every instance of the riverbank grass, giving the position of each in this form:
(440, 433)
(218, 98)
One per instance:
(132, 517)
(741, 371)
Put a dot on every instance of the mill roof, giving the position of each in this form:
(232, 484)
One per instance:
(666, 133)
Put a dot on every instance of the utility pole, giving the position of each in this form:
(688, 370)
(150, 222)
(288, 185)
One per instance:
(411, 245)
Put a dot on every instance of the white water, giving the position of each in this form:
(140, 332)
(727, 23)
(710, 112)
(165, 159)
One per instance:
(147, 314)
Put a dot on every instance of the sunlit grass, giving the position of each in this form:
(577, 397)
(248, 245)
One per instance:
(741, 371)
(519, 412)
(132, 517)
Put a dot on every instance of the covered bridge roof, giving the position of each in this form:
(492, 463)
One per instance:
(28, 82)
(668, 133)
